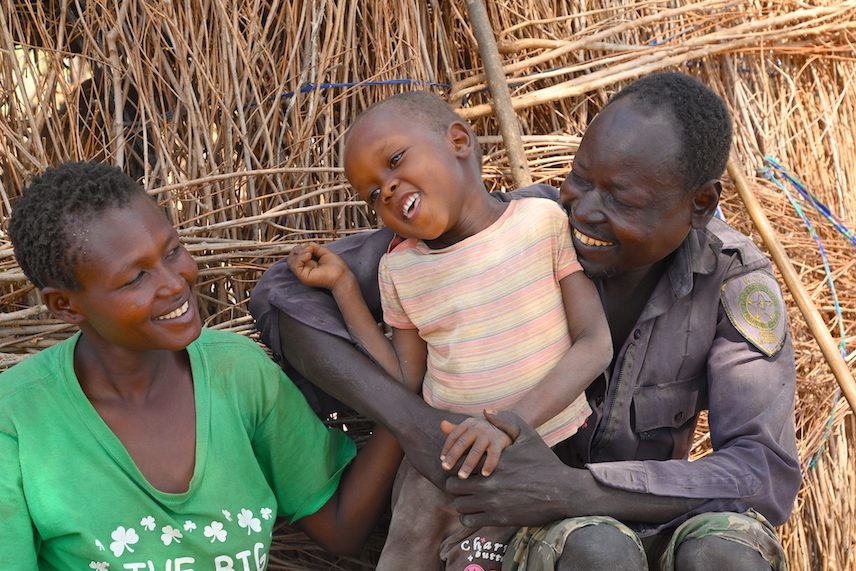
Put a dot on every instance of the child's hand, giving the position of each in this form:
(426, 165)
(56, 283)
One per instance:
(478, 436)
(316, 266)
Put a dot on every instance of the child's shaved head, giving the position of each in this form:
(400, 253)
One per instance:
(427, 108)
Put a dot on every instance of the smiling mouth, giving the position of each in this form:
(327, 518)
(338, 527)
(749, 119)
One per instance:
(408, 205)
(177, 313)
(589, 241)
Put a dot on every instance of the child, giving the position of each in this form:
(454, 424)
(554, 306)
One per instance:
(447, 288)
(145, 441)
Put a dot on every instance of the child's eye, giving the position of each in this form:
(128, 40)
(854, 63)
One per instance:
(395, 159)
(373, 195)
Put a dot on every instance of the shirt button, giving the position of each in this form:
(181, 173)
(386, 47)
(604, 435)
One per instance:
(598, 400)
(277, 358)
(637, 334)
(679, 416)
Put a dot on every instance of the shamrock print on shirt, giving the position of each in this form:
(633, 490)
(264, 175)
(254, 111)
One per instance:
(215, 531)
(246, 519)
(171, 534)
(123, 539)
(148, 523)
(134, 543)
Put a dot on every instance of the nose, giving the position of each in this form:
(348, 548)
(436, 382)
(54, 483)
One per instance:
(178, 273)
(172, 282)
(388, 188)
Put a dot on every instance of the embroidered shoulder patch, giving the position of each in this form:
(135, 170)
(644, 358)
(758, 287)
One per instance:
(754, 305)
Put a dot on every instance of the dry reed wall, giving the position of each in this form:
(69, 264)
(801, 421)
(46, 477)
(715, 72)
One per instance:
(232, 113)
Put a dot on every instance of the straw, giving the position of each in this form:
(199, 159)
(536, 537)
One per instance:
(232, 114)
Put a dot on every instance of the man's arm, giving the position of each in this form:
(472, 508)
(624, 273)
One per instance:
(531, 486)
(341, 370)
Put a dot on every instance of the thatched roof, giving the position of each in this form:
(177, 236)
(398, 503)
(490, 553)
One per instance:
(232, 113)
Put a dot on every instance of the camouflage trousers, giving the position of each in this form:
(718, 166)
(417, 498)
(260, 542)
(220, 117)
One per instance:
(539, 548)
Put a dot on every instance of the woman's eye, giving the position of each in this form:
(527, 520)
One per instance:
(137, 278)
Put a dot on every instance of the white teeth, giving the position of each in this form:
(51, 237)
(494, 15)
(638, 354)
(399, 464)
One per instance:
(178, 312)
(408, 204)
(588, 240)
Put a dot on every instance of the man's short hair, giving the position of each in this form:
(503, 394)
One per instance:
(701, 118)
(48, 220)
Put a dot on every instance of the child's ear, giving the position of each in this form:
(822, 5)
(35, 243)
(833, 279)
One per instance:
(462, 138)
(705, 201)
(60, 303)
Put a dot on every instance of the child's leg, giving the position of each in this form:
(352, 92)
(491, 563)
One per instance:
(421, 518)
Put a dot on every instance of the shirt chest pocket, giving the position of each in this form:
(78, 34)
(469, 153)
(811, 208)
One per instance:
(667, 405)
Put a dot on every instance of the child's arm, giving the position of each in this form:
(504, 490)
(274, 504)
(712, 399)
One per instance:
(404, 358)
(590, 353)
(344, 523)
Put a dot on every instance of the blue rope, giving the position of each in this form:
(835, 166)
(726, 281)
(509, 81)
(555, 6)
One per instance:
(322, 86)
(773, 172)
(812, 199)
(770, 173)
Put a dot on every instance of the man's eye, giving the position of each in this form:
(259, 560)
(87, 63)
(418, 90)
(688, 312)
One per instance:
(172, 253)
(617, 202)
(395, 159)
(579, 180)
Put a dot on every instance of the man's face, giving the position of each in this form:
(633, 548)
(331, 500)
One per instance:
(624, 197)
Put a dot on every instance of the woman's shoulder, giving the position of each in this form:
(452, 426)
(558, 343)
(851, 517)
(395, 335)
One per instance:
(34, 371)
(216, 337)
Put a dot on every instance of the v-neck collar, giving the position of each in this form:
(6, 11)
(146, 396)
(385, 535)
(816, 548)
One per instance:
(111, 443)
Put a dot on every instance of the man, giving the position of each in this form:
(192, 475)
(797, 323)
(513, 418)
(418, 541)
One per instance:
(697, 322)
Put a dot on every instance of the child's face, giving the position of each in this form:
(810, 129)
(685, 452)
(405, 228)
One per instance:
(137, 282)
(411, 175)
(625, 199)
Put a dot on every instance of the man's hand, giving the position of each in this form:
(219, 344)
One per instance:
(530, 486)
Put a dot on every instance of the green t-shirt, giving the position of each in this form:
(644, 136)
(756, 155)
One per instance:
(72, 499)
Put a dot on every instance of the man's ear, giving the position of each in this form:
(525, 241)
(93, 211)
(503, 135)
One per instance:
(705, 201)
(462, 139)
(59, 302)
